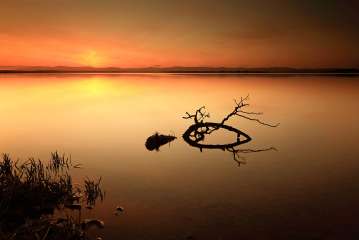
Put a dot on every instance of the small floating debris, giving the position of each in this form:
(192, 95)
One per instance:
(118, 210)
(76, 197)
(79, 165)
(157, 140)
(87, 223)
(74, 206)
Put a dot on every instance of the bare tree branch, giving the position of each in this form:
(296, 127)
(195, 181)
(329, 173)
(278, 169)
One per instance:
(200, 128)
(259, 121)
(199, 116)
(254, 113)
(239, 109)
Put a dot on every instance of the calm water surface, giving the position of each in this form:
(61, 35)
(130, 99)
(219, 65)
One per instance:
(308, 189)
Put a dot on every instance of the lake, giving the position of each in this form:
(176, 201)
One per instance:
(307, 189)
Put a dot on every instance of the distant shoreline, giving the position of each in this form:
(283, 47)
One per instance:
(190, 73)
(180, 70)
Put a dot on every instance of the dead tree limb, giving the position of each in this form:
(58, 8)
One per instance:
(238, 111)
(197, 131)
(199, 115)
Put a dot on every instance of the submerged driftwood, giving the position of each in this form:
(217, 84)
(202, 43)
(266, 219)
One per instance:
(155, 141)
(196, 133)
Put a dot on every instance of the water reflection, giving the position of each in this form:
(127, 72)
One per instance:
(310, 185)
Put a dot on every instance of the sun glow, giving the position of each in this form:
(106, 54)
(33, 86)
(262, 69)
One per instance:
(92, 58)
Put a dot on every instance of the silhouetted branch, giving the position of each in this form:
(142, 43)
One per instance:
(254, 113)
(238, 111)
(237, 108)
(258, 121)
(199, 133)
(199, 116)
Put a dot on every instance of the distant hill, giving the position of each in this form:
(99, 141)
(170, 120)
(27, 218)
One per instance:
(179, 69)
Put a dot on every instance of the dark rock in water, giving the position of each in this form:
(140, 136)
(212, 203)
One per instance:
(74, 206)
(87, 223)
(119, 209)
(157, 140)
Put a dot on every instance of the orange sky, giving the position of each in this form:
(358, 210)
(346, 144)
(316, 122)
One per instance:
(142, 33)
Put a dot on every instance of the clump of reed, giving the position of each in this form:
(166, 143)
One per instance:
(93, 191)
(30, 192)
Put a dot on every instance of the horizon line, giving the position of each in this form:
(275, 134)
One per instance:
(180, 70)
(22, 68)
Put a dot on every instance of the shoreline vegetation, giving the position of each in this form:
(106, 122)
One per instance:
(182, 70)
(39, 200)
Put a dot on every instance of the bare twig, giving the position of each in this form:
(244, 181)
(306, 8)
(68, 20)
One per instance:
(238, 111)
(199, 116)
(237, 108)
(258, 121)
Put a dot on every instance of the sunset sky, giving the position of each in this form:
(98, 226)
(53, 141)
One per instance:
(141, 33)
